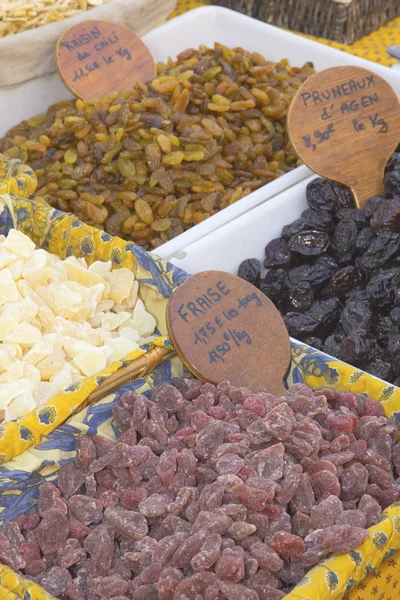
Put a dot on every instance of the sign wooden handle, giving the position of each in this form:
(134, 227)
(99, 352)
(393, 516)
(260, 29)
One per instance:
(224, 328)
(344, 123)
(97, 58)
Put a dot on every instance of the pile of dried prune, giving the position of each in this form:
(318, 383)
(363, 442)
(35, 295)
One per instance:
(211, 493)
(335, 275)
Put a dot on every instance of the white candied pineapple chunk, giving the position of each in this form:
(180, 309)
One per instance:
(9, 391)
(25, 334)
(14, 372)
(74, 347)
(8, 289)
(7, 325)
(64, 377)
(33, 374)
(6, 257)
(142, 320)
(19, 244)
(100, 268)
(28, 309)
(60, 321)
(50, 365)
(36, 263)
(129, 333)
(21, 405)
(39, 351)
(15, 268)
(41, 277)
(121, 347)
(5, 359)
(121, 282)
(92, 362)
(112, 321)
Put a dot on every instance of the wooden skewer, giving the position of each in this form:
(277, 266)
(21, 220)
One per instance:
(138, 368)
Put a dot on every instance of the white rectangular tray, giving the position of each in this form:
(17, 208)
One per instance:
(247, 236)
(201, 26)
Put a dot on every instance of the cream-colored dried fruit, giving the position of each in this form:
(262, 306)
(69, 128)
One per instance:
(143, 321)
(60, 321)
(19, 244)
(21, 405)
(121, 282)
(121, 347)
(14, 372)
(9, 391)
(50, 365)
(112, 321)
(25, 334)
(8, 289)
(91, 362)
(5, 359)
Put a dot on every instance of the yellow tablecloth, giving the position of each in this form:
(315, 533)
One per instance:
(372, 47)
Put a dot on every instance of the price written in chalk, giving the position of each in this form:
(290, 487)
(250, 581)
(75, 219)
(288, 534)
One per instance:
(344, 124)
(96, 58)
(224, 328)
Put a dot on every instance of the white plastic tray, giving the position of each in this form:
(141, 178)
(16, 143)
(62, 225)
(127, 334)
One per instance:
(201, 26)
(247, 236)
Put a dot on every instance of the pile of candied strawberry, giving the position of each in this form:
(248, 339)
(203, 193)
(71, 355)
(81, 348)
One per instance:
(210, 493)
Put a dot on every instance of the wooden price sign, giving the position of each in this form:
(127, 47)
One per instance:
(96, 58)
(344, 123)
(222, 327)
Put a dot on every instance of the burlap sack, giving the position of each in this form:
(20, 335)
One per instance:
(32, 53)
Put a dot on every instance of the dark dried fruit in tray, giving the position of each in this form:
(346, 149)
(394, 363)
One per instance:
(222, 507)
(344, 300)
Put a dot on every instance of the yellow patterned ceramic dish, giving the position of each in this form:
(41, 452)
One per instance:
(35, 447)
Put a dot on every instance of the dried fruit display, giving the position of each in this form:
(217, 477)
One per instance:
(60, 320)
(150, 163)
(335, 275)
(206, 495)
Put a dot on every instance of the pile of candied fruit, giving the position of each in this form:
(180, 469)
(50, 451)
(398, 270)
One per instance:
(334, 274)
(210, 493)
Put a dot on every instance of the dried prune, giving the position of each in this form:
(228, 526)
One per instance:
(381, 250)
(343, 196)
(320, 220)
(317, 273)
(272, 284)
(392, 182)
(364, 240)
(321, 195)
(327, 313)
(343, 244)
(277, 254)
(343, 281)
(381, 288)
(386, 217)
(372, 205)
(309, 243)
(356, 316)
(250, 270)
(301, 326)
(299, 298)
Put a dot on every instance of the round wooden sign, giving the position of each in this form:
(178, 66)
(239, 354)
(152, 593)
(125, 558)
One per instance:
(344, 123)
(96, 58)
(224, 328)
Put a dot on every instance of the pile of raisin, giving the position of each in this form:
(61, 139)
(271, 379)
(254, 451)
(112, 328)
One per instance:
(335, 275)
(210, 493)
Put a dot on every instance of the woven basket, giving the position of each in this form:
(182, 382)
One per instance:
(340, 20)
